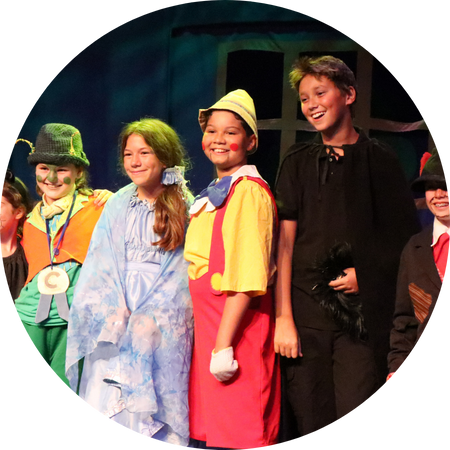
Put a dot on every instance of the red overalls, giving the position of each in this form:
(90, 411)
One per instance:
(243, 412)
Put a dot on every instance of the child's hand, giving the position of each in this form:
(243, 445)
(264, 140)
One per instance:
(348, 284)
(287, 341)
(223, 365)
(101, 196)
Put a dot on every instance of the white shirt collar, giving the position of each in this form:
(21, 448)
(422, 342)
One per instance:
(244, 171)
(438, 229)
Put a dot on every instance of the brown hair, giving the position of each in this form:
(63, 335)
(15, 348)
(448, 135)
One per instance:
(171, 214)
(18, 195)
(323, 66)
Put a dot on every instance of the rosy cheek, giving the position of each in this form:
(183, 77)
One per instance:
(203, 145)
(234, 147)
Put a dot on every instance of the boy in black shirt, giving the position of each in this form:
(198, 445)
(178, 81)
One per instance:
(345, 208)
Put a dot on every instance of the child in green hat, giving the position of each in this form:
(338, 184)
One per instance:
(56, 237)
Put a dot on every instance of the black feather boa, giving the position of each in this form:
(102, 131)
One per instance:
(344, 309)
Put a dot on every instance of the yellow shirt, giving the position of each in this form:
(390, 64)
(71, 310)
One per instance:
(248, 241)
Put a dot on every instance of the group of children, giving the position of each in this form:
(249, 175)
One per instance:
(175, 333)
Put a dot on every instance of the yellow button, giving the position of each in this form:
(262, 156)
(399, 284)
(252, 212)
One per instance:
(216, 281)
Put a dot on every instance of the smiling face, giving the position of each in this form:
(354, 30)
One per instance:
(226, 143)
(437, 202)
(56, 182)
(143, 166)
(324, 105)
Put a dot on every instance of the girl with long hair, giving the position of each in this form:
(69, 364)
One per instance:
(131, 322)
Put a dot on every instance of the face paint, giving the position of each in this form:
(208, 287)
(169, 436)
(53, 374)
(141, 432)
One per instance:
(52, 176)
(226, 142)
(203, 146)
(56, 182)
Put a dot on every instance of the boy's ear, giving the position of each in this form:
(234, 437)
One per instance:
(351, 95)
(252, 143)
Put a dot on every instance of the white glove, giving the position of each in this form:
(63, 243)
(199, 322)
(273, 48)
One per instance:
(223, 365)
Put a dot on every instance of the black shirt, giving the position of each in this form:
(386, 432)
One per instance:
(16, 270)
(310, 191)
(368, 202)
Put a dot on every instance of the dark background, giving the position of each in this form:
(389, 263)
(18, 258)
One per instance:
(164, 63)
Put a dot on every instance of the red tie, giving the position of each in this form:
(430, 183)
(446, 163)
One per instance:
(440, 253)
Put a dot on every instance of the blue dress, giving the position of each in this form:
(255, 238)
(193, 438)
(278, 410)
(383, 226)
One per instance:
(131, 321)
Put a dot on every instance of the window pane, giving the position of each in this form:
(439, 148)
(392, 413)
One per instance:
(260, 73)
(389, 100)
(409, 147)
(266, 158)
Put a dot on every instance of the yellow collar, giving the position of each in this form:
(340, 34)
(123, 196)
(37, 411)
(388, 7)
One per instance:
(36, 219)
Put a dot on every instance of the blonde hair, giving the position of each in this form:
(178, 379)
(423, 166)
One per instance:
(171, 215)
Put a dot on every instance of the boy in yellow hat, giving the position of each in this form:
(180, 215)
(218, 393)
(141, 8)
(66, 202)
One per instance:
(234, 392)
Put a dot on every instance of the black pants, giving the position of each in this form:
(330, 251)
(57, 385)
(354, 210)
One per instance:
(334, 376)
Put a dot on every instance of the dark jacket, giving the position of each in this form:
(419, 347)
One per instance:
(418, 279)
(380, 217)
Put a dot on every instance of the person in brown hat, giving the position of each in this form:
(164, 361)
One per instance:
(422, 265)
(56, 237)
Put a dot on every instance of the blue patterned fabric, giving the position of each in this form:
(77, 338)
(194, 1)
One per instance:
(131, 320)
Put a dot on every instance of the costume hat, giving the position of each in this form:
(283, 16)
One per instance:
(58, 144)
(240, 103)
(430, 170)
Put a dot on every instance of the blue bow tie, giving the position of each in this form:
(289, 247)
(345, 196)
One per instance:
(217, 192)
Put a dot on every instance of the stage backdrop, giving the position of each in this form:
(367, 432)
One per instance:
(172, 62)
